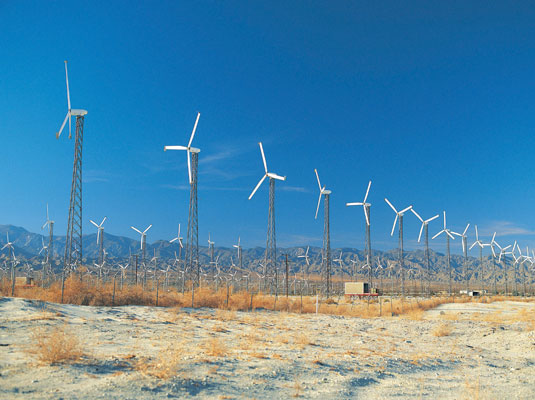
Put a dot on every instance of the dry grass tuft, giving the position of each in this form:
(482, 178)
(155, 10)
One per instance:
(442, 330)
(215, 348)
(167, 364)
(55, 346)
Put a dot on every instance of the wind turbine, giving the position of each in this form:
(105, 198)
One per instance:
(481, 245)
(305, 256)
(100, 238)
(73, 243)
(11, 257)
(50, 247)
(399, 215)
(492, 244)
(192, 240)
(425, 229)
(143, 241)
(449, 236)
(503, 253)
(240, 259)
(271, 243)
(367, 245)
(465, 253)
(178, 239)
(211, 246)
(326, 255)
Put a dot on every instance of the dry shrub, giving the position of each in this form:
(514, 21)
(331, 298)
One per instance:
(442, 330)
(415, 314)
(215, 348)
(55, 346)
(167, 364)
(303, 340)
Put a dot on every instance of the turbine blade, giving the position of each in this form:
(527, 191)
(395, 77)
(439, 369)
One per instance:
(318, 178)
(355, 204)
(405, 210)
(174, 148)
(465, 229)
(103, 221)
(70, 125)
(194, 129)
(450, 235)
(62, 125)
(432, 218)
(391, 206)
(257, 186)
(67, 80)
(137, 230)
(421, 230)
(444, 220)
(417, 215)
(318, 207)
(150, 226)
(367, 191)
(189, 167)
(438, 234)
(93, 222)
(394, 226)
(98, 236)
(275, 176)
(366, 215)
(263, 157)
(477, 235)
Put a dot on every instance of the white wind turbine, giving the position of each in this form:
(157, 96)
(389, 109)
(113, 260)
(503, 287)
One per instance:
(143, 241)
(271, 247)
(447, 233)
(366, 208)
(305, 256)
(399, 215)
(464, 239)
(481, 245)
(326, 255)
(192, 239)
(211, 247)
(100, 238)
(425, 229)
(50, 247)
(238, 247)
(178, 239)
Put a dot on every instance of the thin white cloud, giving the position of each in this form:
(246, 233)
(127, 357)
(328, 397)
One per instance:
(504, 228)
(299, 189)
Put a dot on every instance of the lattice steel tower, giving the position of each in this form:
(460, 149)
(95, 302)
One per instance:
(192, 239)
(73, 243)
(326, 259)
(271, 241)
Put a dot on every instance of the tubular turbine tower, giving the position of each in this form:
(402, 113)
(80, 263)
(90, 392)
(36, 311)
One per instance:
(73, 243)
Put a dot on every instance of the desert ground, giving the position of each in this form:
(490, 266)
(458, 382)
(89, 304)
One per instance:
(454, 351)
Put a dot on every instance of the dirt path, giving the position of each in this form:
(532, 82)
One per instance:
(146, 352)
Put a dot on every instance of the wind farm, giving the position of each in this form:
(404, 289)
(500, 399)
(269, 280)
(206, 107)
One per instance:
(113, 295)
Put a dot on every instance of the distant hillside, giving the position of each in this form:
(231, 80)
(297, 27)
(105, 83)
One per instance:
(27, 246)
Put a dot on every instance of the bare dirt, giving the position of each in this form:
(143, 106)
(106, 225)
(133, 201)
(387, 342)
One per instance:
(135, 352)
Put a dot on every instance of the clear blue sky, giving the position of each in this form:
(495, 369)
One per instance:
(433, 101)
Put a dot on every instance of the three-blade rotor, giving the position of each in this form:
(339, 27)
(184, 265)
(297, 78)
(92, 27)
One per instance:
(398, 214)
(364, 204)
(143, 234)
(267, 173)
(179, 238)
(70, 112)
(99, 227)
(188, 148)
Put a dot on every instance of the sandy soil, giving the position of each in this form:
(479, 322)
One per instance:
(145, 352)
